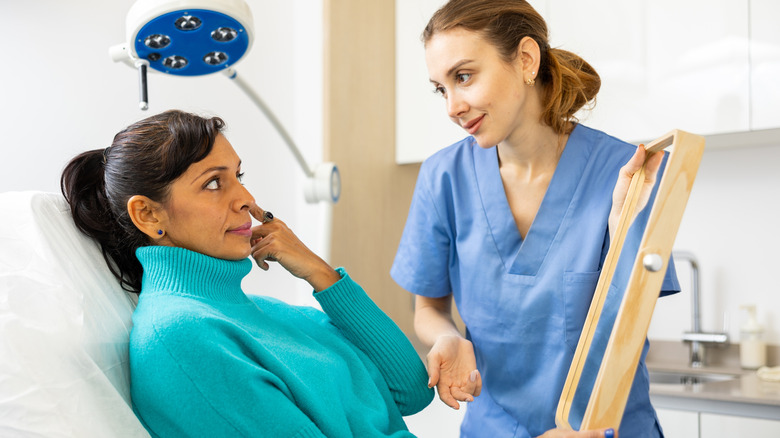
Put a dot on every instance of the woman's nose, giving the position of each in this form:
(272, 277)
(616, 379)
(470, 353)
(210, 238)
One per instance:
(456, 106)
(243, 199)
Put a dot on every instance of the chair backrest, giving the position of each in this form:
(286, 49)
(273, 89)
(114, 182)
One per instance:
(64, 327)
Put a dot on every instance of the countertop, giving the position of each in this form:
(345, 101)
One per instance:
(745, 395)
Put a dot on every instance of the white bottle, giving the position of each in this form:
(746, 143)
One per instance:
(752, 349)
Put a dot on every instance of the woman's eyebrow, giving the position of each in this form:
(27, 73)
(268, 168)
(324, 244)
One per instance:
(457, 66)
(210, 169)
(452, 69)
(217, 169)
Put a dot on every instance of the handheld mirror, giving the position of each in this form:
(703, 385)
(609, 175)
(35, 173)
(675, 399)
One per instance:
(602, 370)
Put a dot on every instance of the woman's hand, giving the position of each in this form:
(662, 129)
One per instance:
(453, 370)
(560, 433)
(273, 241)
(624, 181)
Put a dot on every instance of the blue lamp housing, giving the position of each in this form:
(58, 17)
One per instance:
(200, 37)
(191, 42)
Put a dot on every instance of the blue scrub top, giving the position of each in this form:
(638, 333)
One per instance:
(524, 301)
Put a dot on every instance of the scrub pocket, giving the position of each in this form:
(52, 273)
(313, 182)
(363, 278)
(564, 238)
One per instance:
(578, 289)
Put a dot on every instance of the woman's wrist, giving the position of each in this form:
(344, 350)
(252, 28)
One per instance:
(323, 278)
(454, 333)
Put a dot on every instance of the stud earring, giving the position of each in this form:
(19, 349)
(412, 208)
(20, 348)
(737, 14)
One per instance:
(530, 81)
(160, 232)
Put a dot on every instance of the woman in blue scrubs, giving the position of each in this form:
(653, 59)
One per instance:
(513, 222)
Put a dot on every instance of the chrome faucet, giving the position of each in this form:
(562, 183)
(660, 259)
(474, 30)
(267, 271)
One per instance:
(697, 338)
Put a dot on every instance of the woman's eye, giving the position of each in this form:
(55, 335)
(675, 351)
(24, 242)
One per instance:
(212, 185)
(240, 177)
(440, 91)
(463, 77)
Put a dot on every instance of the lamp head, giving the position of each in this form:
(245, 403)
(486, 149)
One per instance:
(199, 37)
(189, 37)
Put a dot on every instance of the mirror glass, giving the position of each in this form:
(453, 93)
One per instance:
(605, 323)
(609, 312)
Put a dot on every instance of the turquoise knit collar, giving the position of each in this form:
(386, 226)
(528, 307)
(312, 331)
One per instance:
(181, 271)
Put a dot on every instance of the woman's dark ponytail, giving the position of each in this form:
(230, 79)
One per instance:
(144, 159)
(83, 185)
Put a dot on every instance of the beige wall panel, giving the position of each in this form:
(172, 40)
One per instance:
(360, 137)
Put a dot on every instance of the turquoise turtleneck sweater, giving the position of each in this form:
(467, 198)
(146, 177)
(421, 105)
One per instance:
(207, 360)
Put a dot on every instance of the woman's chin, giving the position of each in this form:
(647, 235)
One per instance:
(244, 253)
(238, 253)
(484, 142)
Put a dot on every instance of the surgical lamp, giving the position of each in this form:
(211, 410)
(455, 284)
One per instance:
(200, 37)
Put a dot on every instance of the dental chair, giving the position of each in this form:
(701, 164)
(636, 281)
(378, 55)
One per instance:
(64, 327)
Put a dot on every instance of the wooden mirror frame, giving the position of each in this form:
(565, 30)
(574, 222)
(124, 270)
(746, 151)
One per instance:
(618, 365)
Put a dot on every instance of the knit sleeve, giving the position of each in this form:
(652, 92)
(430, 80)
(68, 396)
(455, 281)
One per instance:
(189, 381)
(373, 332)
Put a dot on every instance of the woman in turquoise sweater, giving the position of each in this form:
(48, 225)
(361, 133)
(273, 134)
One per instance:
(166, 203)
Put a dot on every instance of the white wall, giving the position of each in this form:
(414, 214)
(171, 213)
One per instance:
(731, 226)
(61, 94)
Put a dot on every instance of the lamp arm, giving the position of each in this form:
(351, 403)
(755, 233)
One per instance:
(255, 98)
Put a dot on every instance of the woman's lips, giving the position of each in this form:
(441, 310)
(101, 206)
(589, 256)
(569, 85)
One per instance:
(244, 230)
(473, 125)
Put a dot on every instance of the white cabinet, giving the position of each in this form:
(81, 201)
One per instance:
(679, 424)
(765, 63)
(691, 424)
(664, 64)
(726, 426)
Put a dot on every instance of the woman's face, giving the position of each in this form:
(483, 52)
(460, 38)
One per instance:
(485, 95)
(208, 208)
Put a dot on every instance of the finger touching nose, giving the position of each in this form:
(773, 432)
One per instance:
(256, 212)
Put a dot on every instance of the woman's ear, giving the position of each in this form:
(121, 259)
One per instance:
(148, 216)
(529, 57)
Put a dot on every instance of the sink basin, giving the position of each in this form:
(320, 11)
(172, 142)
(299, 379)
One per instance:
(688, 377)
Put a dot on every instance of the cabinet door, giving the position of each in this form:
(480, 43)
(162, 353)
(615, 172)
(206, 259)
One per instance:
(765, 63)
(678, 424)
(616, 48)
(664, 64)
(726, 426)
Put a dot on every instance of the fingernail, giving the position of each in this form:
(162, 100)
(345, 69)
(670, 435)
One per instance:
(473, 376)
(609, 433)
